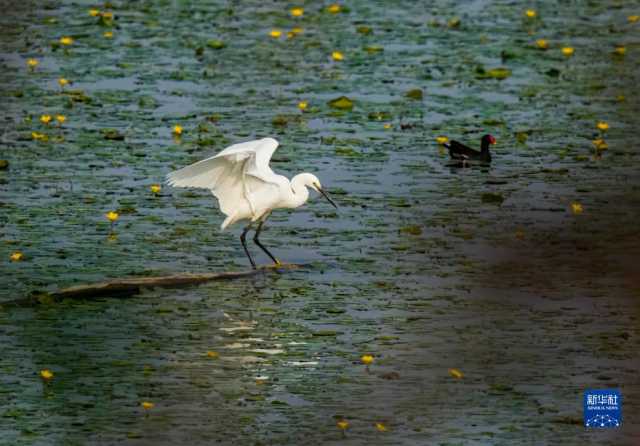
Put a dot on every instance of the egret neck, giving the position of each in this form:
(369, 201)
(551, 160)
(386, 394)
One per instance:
(299, 185)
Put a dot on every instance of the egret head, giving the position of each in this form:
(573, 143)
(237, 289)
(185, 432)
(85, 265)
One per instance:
(312, 181)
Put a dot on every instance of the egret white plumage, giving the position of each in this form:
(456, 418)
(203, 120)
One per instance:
(246, 187)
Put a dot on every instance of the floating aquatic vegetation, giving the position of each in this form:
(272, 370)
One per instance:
(411, 230)
(576, 208)
(112, 135)
(454, 22)
(337, 56)
(415, 93)
(373, 49)
(366, 359)
(494, 73)
(341, 103)
(379, 116)
(216, 44)
(16, 256)
(542, 44)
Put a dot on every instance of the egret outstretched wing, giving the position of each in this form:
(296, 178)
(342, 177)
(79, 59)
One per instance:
(233, 175)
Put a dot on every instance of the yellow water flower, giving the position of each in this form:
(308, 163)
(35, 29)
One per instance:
(366, 359)
(457, 374)
(16, 256)
(108, 35)
(531, 13)
(107, 15)
(604, 126)
(337, 55)
(542, 44)
(297, 11)
(32, 63)
(600, 144)
(45, 119)
(620, 50)
(94, 12)
(343, 424)
(576, 208)
(381, 427)
(387, 126)
(177, 130)
(302, 105)
(66, 40)
(633, 18)
(275, 33)
(296, 30)
(334, 8)
(112, 216)
(213, 355)
(62, 82)
(61, 119)
(442, 139)
(38, 136)
(567, 51)
(46, 374)
(155, 188)
(147, 405)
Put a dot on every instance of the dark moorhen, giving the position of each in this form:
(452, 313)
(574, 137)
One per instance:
(459, 151)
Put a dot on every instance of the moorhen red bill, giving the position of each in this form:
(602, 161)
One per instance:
(459, 151)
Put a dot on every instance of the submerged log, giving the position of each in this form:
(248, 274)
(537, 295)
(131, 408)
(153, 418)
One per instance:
(131, 286)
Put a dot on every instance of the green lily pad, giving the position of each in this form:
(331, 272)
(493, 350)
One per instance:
(411, 229)
(494, 73)
(216, 44)
(341, 103)
(415, 93)
(372, 49)
(347, 152)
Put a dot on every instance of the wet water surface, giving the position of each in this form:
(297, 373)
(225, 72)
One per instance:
(523, 276)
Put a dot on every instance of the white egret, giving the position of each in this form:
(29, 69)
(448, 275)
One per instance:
(246, 187)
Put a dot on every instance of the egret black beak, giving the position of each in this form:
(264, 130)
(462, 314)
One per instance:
(324, 194)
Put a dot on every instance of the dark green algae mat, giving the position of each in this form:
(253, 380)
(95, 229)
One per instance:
(489, 298)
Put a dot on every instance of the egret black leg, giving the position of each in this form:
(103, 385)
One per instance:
(257, 241)
(243, 238)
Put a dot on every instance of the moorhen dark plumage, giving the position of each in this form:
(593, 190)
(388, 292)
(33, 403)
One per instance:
(459, 151)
